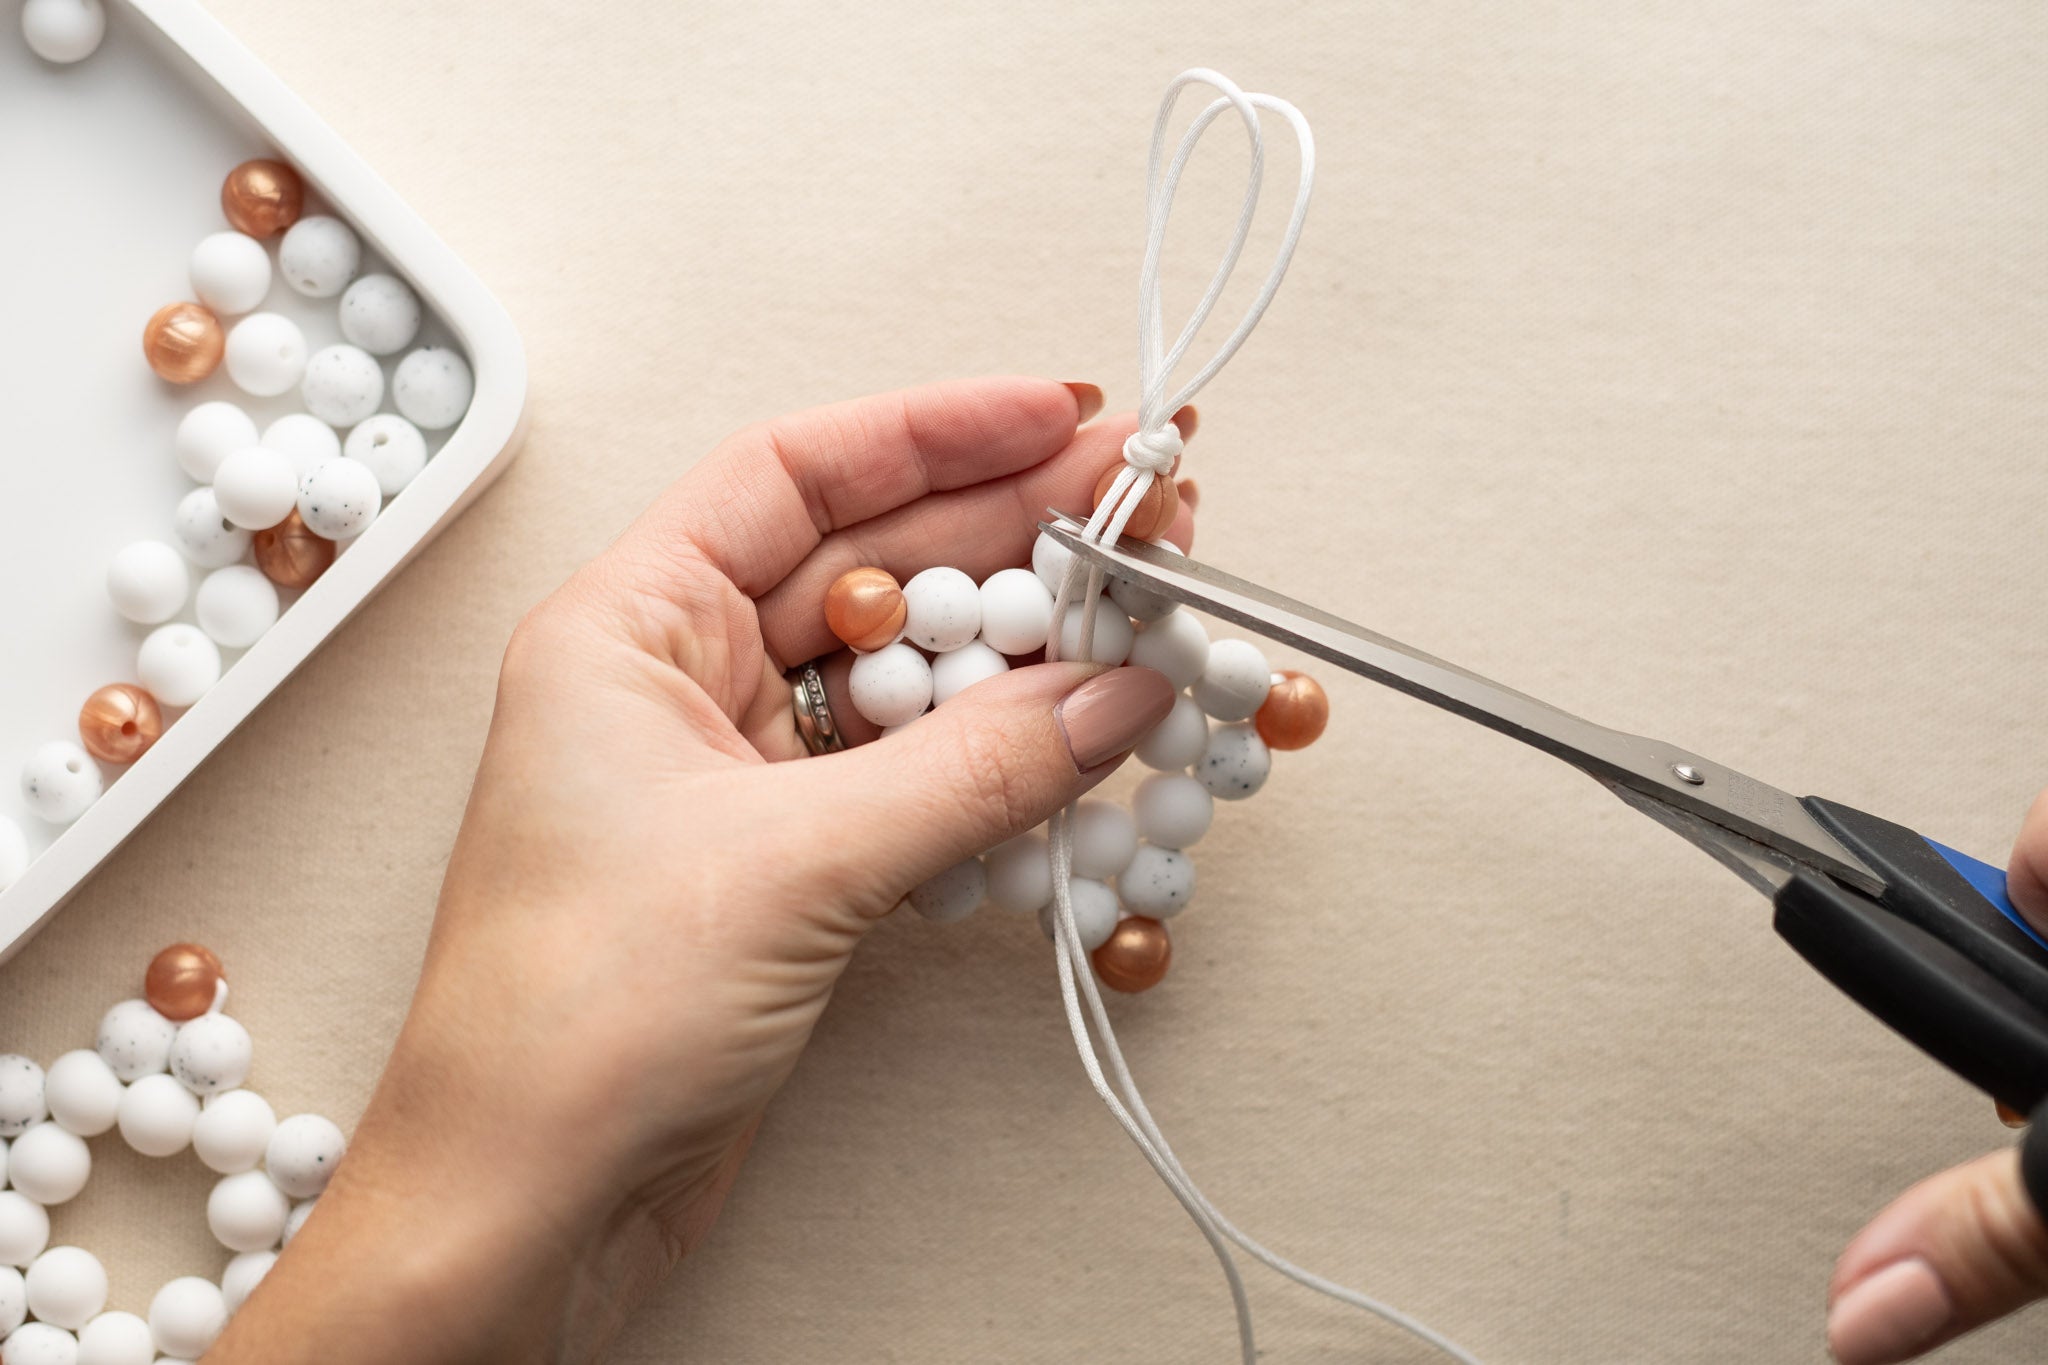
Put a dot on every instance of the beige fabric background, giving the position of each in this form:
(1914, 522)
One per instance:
(1681, 363)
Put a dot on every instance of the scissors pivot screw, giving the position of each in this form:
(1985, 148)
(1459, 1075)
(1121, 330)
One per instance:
(1685, 772)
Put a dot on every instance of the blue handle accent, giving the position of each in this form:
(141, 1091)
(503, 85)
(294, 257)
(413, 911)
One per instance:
(1988, 882)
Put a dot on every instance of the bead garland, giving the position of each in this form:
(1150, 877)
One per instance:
(168, 1071)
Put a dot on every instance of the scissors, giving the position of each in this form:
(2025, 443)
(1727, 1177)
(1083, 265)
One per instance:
(1922, 936)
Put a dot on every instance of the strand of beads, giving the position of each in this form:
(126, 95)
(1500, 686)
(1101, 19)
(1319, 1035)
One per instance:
(167, 1070)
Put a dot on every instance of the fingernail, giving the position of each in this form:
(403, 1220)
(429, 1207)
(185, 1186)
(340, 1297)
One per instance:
(1190, 494)
(1089, 396)
(1890, 1315)
(1186, 421)
(1111, 712)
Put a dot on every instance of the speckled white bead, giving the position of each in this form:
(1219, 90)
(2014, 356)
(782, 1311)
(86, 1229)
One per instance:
(39, 1343)
(303, 1153)
(21, 1095)
(209, 434)
(891, 686)
(24, 1228)
(60, 782)
(156, 1115)
(116, 1338)
(49, 1164)
(63, 31)
(82, 1092)
(134, 1040)
(230, 272)
(186, 1315)
(1235, 764)
(177, 664)
(1111, 639)
(13, 1299)
(389, 447)
(303, 439)
(380, 314)
(236, 605)
(1159, 883)
(432, 387)
(67, 1286)
(301, 1211)
(246, 1212)
(266, 354)
(207, 537)
(1172, 810)
(256, 487)
(1095, 913)
(1234, 681)
(319, 255)
(233, 1130)
(1016, 611)
(953, 894)
(211, 1054)
(1105, 836)
(1141, 603)
(943, 609)
(1178, 741)
(340, 499)
(148, 582)
(13, 852)
(243, 1274)
(1175, 645)
(959, 669)
(1020, 874)
(343, 384)
(1049, 560)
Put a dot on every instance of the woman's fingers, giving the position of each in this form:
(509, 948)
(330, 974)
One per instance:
(2026, 880)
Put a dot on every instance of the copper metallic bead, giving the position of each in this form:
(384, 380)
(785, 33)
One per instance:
(865, 608)
(290, 555)
(183, 342)
(1295, 712)
(2009, 1116)
(262, 197)
(1156, 510)
(1136, 956)
(182, 981)
(119, 723)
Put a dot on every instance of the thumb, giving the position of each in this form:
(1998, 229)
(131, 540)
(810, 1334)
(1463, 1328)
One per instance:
(1949, 1255)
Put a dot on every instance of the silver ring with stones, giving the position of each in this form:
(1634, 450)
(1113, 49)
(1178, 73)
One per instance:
(814, 712)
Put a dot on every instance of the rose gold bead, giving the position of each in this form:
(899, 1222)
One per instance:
(2009, 1116)
(1156, 510)
(1294, 712)
(182, 981)
(119, 723)
(289, 554)
(262, 197)
(1136, 956)
(865, 608)
(183, 342)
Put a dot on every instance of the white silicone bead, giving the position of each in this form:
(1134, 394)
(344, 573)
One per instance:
(207, 537)
(209, 434)
(1020, 874)
(1234, 681)
(82, 1092)
(230, 272)
(156, 1116)
(389, 447)
(24, 1228)
(60, 782)
(303, 439)
(236, 605)
(148, 582)
(1173, 810)
(301, 1211)
(891, 686)
(319, 255)
(1175, 645)
(959, 669)
(67, 1287)
(380, 314)
(116, 1338)
(1016, 611)
(21, 1095)
(242, 1276)
(1111, 638)
(13, 852)
(432, 387)
(302, 1155)
(211, 1054)
(256, 487)
(343, 384)
(1049, 560)
(266, 354)
(943, 610)
(1095, 914)
(1105, 837)
(1178, 741)
(13, 1299)
(1235, 764)
(1159, 883)
(49, 1164)
(63, 31)
(1139, 602)
(233, 1130)
(340, 499)
(134, 1040)
(178, 664)
(953, 894)
(186, 1315)
(39, 1343)
(246, 1212)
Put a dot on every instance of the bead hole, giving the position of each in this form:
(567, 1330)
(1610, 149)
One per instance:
(72, 765)
(128, 728)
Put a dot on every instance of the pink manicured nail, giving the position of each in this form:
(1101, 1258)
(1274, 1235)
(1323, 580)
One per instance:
(1889, 1315)
(1111, 712)
(1088, 397)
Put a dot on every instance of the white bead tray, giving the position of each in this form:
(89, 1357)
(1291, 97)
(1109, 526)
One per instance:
(112, 171)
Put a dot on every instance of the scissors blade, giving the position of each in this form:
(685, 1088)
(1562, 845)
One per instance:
(1664, 773)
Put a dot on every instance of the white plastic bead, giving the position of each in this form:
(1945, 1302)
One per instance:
(82, 1092)
(1020, 874)
(209, 434)
(148, 582)
(13, 852)
(1104, 836)
(1016, 611)
(303, 1153)
(156, 1115)
(21, 1094)
(233, 1130)
(236, 605)
(1173, 810)
(389, 447)
(959, 669)
(1159, 883)
(343, 384)
(63, 31)
(256, 487)
(266, 354)
(67, 1287)
(49, 1164)
(303, 439)
(204, 534)
(319, 255)
(943, 610)
(1142, 603)
(13, 1299)
(432, 387)
(1095, 914)
(953, 894)
(39, 1343)
(246, 1212)
(1234, 681)
(340, 499)
(380, 314)
(116, 1338)
(60, 782)
(242, 1276)
(1112, 637)
(211, 1054)
(230, 272)
(891, 686)
(1175, 645)
(186, 1315)
(24, 1228)
(1235, 764)
(134, 1040)
(1049, 560)
(178, 664)
(1178, 741)
(301, 1211)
